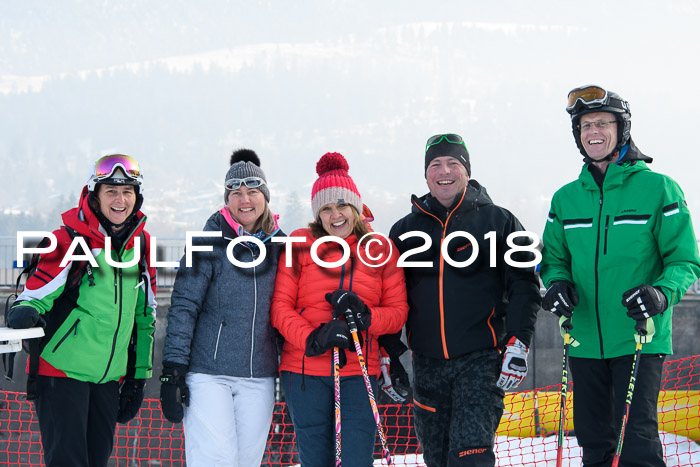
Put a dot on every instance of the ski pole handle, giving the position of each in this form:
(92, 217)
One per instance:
(566, 324)
(350, 319)
(641, 327)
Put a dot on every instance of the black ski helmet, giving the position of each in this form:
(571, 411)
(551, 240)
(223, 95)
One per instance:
(591, 98)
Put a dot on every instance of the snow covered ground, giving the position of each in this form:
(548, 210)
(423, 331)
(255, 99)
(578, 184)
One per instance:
(542, 452)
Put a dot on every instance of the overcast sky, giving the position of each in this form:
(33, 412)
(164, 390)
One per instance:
(180, 84)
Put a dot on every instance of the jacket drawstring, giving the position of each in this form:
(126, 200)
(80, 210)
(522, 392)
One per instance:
(303, 360)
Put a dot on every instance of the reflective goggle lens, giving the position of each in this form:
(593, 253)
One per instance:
(250, 182)
(449, 137)
(105, 166)
(587, 95)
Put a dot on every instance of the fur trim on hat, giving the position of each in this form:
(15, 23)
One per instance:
(245, 155)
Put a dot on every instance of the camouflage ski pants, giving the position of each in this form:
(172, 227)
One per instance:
(458, 407)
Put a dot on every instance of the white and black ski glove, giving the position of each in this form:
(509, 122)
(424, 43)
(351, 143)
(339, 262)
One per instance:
(395, 392)
(560, 298)
(643, 302)
(514, 368)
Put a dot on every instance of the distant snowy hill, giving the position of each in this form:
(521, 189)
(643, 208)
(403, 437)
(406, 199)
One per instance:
(179, 88)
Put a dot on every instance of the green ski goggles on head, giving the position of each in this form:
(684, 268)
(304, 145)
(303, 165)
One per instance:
(449, 137)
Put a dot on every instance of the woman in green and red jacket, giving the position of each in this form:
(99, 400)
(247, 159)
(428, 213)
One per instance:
(99, 319)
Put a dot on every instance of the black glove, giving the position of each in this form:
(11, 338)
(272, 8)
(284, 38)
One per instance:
(399, 377)
(23, 317)
(560, 298)
(394, 347)
(130, 398)
(173, 391)
(342, 300)
(644, 301)
(335, 333)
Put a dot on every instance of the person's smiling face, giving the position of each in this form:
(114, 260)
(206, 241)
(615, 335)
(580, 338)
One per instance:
(246, 205)
(446, 178)
(337, 219)
(598, 142)
(116, 202)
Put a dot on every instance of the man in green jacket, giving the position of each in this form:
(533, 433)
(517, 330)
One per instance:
(619, 252)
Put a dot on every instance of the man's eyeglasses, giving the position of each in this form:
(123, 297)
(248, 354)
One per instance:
(250, 182)
(600, 125)
(449, 137)
(587, 95)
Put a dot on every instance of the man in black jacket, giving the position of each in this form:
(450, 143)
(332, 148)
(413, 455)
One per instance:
(473, 304)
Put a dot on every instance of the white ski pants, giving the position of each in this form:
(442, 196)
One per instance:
(228, 420)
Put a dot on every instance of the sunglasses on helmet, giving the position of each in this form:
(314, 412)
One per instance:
(105, 166)
(586, 95)
(449, 137)
(250, 182)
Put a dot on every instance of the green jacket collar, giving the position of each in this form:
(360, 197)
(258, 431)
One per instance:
(614, 177)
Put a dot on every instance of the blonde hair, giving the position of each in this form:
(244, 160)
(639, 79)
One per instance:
(360, 228)
(266, 221)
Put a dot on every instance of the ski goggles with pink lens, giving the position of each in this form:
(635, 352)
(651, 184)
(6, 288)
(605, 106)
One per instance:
(250, 182)
(105, 166)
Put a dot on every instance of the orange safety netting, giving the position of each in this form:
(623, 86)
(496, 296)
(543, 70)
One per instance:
(526, 435)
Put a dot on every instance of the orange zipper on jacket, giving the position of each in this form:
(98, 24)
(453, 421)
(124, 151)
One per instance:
(442, 269)
(493, 332)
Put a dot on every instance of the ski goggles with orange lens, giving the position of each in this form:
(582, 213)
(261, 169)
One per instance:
(586, 95)
(250, 182)
(449, 137)
(105, 166)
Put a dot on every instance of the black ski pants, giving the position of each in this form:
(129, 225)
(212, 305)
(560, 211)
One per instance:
(77, 421)
(600, 390)
(457, 408)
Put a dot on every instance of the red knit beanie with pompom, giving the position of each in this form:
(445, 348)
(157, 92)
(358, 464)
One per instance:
(334, 184)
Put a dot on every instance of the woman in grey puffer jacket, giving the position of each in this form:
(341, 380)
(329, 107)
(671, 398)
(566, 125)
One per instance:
(220, 356)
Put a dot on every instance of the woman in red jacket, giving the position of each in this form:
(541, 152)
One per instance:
(364, 278)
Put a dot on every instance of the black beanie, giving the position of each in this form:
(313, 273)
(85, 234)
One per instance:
(445, 148)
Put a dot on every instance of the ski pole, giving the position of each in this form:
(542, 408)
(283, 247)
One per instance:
(564, 389)
(336, 383)
(363, 366)
(641, 328)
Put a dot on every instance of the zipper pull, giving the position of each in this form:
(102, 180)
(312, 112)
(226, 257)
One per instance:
(90, 276)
